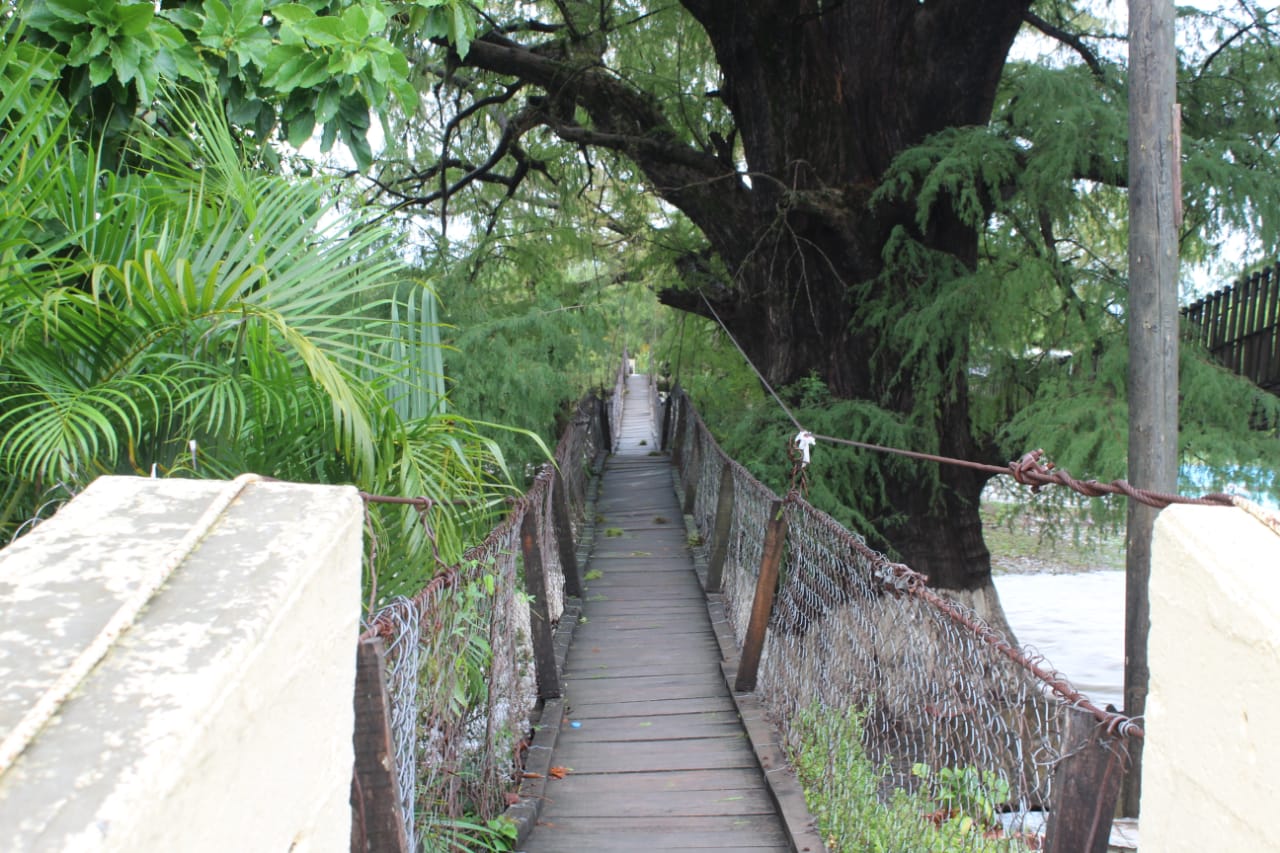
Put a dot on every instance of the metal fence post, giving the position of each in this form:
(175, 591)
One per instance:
(762, 606)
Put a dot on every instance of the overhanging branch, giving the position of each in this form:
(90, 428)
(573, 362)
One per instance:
(1070, 39)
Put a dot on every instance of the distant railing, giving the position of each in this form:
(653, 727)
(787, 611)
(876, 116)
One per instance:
(1240, 326)
(830, 630)
(618, 398)
(466, 660)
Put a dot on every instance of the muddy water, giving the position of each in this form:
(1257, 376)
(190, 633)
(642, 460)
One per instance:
(1076, 621)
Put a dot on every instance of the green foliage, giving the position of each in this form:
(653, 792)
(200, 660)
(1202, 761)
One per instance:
(1040, 323)
(280, 67)
(202, 301)
(858, 810)
(446, 835)
(454, 692)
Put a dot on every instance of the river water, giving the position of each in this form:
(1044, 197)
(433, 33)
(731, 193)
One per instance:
(1076, 621)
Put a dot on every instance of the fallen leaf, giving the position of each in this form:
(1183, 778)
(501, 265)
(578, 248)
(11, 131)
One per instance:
(531, 776)
(512, 798)
(559, 772)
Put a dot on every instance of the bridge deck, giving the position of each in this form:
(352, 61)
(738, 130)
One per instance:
(658, 758)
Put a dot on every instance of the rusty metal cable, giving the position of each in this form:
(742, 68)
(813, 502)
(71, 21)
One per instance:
(1029, 470)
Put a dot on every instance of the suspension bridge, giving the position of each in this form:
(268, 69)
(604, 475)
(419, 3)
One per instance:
(655, 754)
(685, 634)
(660, 654)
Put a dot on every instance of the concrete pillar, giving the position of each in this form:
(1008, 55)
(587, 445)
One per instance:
(177, 661)
(1214, 706)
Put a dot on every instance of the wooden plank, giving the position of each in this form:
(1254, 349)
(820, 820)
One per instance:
(595, 691)
(376, 822)
(1235, 331)
(1210, 321)
(637, 802)
(1272, 374)
(722, 779)
(650, 728)
(1266, 326)
(1248, 317)
(639, 706)
(647, 662)
(653, 756)
(648, 834)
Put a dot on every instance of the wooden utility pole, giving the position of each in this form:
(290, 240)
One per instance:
(1154, 203)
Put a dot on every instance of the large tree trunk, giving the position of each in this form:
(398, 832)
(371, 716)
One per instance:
(824, 101)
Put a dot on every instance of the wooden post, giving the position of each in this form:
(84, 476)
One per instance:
(1152, 318)
(564, 537)
(691, 490)
(677, 428)
(762, 607)
(535, 585)
(376, 822)
(606, 431)
(668, 414)
(720, 534)
(1086, 784)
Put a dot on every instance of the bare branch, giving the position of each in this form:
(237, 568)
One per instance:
(1071, 40)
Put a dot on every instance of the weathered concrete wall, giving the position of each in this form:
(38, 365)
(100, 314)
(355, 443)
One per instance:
(219, 717)
(1214, 707)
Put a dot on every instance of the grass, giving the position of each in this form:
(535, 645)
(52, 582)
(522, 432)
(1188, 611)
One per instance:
(1055, 540)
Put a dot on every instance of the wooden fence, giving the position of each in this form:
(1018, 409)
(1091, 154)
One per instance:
(1240, 326)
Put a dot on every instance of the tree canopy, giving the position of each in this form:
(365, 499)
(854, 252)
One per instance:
(911, 215)
(913, 226)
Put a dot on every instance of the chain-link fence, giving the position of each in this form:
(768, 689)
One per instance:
(931, 730)
(460, 654)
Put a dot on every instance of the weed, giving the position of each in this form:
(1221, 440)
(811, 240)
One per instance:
(643, 442)
(858, 809)
(593, 575)
(660, 519)
(694, 540)
(613, 532)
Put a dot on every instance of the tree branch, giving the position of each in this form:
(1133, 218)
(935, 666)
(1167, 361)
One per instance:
(623, 119)
(1071, 40)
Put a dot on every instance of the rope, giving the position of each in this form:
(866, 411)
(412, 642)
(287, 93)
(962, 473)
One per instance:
(1029, 470)
(48, 704)
(759, 375)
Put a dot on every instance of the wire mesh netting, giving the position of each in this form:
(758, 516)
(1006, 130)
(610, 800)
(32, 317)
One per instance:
(927, 728)
(459, 656)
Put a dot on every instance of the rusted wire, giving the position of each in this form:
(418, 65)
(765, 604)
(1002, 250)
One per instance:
(1029, 470)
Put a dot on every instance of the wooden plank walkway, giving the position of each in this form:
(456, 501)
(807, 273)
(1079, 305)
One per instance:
(657, 756)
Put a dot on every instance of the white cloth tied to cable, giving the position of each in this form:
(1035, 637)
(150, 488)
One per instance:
(803, 441)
